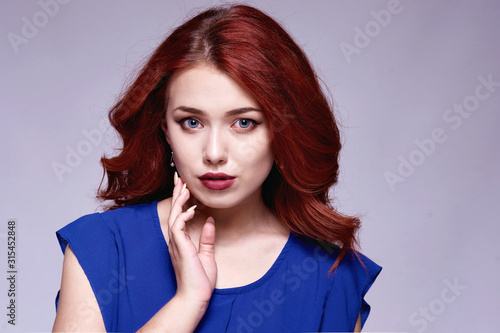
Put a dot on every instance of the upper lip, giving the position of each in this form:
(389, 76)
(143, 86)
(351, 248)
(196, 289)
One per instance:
(216, 175)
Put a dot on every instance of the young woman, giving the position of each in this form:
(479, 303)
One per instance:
(220, 217)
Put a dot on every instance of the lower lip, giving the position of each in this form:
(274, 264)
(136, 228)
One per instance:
(213, 184)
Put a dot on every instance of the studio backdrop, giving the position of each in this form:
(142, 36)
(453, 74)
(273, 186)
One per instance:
(416, 87)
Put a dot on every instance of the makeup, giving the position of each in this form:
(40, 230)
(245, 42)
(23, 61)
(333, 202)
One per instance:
(217, 181)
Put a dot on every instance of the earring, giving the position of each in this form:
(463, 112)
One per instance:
(172, 164)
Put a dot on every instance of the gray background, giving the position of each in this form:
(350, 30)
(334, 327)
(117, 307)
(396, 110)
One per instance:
(433, 228)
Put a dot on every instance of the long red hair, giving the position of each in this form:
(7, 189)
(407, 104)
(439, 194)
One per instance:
(256, 51)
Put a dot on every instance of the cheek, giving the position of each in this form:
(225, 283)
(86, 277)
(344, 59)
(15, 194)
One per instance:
(186, 155)
(258, 145)
(256, 151)
(174, 136)
(185, 160)
(178, 144)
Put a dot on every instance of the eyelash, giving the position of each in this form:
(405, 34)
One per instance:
(251, 127)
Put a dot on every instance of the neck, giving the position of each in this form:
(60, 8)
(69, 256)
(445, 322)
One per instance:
(248, 217)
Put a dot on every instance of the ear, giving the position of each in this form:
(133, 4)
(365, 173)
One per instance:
(165, 130)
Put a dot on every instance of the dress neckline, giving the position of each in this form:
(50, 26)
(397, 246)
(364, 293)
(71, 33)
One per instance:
(232, 290)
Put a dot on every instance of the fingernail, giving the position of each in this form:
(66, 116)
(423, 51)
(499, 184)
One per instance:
(183, 188)
(191, 208)
(176, 178)
(210, 220)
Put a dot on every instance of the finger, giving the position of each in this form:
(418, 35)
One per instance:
(207, 238)
(177, 187)
(180, 222)
(176, 178)
(181, 191)
(177, 203)
(177, 230)
(180, 239)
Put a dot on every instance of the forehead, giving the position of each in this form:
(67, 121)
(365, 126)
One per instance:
(207, 88)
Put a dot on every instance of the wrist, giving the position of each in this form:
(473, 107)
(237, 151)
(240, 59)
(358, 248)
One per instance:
(193, 308)
(180, 314)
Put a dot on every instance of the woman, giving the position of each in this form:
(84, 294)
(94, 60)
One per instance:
(220, 217)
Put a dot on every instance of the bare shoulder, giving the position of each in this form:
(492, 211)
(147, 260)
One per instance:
(78, 309)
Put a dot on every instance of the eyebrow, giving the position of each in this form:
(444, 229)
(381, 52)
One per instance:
(228, 113)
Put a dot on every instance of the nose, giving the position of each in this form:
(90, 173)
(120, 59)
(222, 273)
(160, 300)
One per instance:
(215, 149)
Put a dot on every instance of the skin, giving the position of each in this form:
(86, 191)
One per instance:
(215, 138)
(230, 238)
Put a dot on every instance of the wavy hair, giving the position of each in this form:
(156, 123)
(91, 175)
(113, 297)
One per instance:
(257, 52)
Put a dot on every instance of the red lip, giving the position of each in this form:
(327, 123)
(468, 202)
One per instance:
(217, 181)
(216, 176)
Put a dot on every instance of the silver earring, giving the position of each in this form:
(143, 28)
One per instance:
(172, 164)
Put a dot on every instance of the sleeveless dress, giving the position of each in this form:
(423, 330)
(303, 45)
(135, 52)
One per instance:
(125, 258)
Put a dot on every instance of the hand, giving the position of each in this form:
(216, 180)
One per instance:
(195, 270)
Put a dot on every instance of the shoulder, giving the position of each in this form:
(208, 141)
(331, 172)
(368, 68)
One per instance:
(75, 291)
(112, 219)
(102, 246)
(129, 213)
(341, 293)
(101, 230)
(357, 272)
(334, 301)
(310, 252)
(354, 269)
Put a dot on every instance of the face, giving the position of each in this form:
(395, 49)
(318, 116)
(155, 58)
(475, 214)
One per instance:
(215, 126)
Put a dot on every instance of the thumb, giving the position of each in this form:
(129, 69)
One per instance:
(207, 237)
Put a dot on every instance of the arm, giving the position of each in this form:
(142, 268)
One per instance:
(358, 324)
(195, 272)
(178, 315)
(78, 309)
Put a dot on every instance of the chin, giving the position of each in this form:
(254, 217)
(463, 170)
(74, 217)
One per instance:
(215, 203)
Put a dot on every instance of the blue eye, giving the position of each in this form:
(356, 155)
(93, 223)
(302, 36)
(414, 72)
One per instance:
(190, 122)
(246, 123)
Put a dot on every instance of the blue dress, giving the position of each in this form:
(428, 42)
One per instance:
(126, 260)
